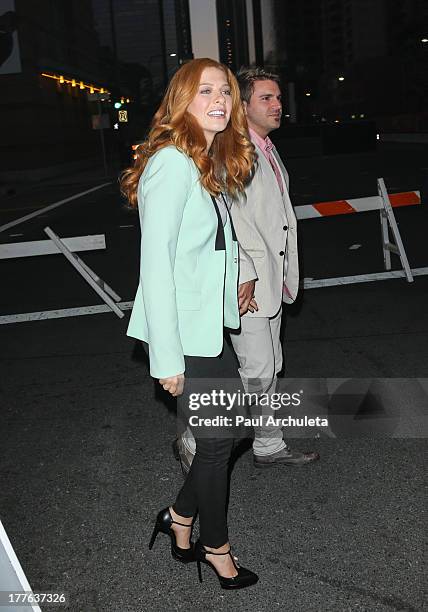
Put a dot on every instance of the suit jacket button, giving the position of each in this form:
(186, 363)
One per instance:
(285, 228)
(281, 253)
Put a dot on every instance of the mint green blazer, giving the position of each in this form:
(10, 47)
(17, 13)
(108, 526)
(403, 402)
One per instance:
(188, 267)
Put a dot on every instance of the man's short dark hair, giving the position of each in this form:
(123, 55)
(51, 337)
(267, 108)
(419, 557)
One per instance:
(248, 76)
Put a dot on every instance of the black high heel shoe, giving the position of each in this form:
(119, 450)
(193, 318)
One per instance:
(163, 523)
(244, 578)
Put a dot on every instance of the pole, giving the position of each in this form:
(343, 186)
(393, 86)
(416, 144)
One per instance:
(292, 107)
(258, 33)
(101, 130)
(163, 43)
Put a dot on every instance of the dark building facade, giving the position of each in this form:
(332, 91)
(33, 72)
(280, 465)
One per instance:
(232, 33)
(127, 48)
(299, 53)
(383, 61)
(354, 59)
(146, 42)
(153, 36)
(50, 121)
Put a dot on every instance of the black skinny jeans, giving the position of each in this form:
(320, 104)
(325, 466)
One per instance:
(206, 487)
(205, 490)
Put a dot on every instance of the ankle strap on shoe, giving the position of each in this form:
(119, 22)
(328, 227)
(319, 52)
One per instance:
(208, 552)
(182, 524)
(229, 552)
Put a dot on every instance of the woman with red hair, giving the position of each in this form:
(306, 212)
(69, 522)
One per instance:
(197, 149)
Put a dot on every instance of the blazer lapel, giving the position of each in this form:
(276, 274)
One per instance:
(229, 216)
(220, 242)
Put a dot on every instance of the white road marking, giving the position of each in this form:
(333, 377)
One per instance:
(126, 225)
(361, 278)
(50, 207)
(354, 247)
(15, 235)
(13, 576)
(99, 309)
(59, 314)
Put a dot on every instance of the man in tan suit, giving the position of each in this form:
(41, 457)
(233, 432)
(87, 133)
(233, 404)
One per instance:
(266, 229)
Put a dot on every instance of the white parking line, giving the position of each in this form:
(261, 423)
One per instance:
(50, 207)
(13, 577)
(310, 283)
(59, 314)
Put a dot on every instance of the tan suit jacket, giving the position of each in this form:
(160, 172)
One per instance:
(266, 229)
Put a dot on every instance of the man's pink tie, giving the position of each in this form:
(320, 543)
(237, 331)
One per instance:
(274, 163)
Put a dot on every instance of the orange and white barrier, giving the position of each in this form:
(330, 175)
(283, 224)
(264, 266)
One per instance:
(384, 202)
(345, 207)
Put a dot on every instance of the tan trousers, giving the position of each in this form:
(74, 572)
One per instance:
(259, 351)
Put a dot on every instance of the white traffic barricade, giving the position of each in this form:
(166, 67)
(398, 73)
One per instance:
(33, 248)
(98, 285)
(383, 202)
(345, 207)
(67, 246)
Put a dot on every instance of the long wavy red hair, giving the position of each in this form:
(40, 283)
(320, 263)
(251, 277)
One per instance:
(231, 157)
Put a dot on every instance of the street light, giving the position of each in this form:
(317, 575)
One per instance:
(308, 93)
(424, 40)
(341, 78)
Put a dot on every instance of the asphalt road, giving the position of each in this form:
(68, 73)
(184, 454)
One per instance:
(85, 460)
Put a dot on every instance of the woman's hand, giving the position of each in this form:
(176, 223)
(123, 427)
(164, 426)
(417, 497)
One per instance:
(173, 384)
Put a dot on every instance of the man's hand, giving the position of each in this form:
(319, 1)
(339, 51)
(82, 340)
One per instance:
(173, 384)
(246, 299)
